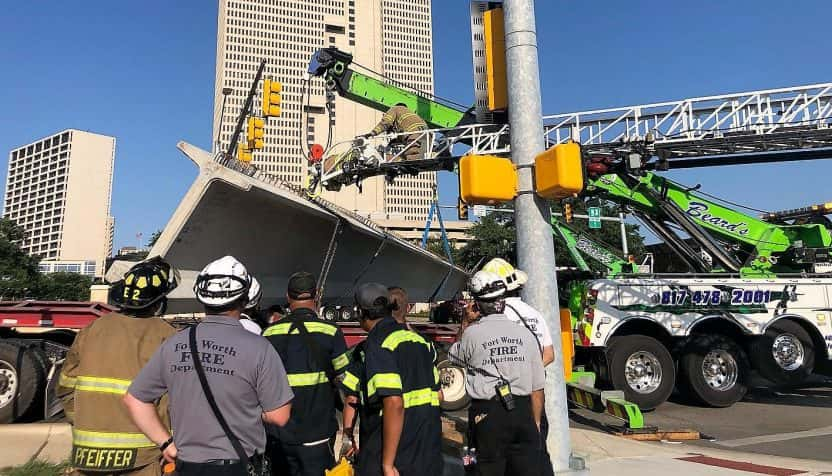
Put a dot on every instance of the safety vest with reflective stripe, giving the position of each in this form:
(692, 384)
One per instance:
(104, 359)
(423, 396)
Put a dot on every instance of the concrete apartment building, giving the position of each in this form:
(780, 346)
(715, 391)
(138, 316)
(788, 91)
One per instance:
(58, 189)
(391, 37)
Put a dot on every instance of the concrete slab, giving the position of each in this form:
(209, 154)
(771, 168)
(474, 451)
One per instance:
(276, 230)
(47, 441)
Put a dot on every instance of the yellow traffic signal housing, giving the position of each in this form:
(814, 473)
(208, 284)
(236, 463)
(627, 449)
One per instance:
(461, 210)
(567, 212)
(243, 154)
(495, 59)
(486, 179)
(559, 171)
(271, 98)
(255, 132)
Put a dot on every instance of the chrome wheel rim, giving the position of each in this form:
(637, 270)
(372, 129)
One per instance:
(452, 380)
(720, 370)
(788, 352)
(643, 372)
(8, 383)
(330, 314)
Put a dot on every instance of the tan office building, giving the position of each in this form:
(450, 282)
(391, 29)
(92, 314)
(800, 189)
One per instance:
(392, 37)
(58, 189)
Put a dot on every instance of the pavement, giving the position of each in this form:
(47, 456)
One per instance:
(604, 454)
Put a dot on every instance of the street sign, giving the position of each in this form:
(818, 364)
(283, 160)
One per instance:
(480, 211)
(594, 217)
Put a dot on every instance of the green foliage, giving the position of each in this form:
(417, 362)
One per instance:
(436, 247)
(64, 287)
(153, 239)
(37, 468)
(494, 237)
(18, 271)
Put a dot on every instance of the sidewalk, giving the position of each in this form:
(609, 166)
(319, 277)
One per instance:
(611, 455)
(604, 454)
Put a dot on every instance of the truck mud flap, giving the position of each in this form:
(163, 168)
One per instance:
(51, 405)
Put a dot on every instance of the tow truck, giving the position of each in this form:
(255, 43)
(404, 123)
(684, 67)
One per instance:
(758, 294)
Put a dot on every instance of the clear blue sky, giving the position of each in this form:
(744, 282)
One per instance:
(144, 73)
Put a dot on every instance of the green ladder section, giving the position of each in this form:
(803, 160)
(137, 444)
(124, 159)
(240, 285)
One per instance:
(580, 391)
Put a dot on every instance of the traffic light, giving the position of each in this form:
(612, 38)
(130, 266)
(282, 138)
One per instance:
(243, 154)
(567, 212)
(254, 133)
(461, 210)
(559, 171)
(494, 37)
(486, 179)
(271, 98)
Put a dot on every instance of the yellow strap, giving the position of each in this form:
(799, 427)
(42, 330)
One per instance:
(351, 381)
(100, 439)
(86, 383)
(423, 396)
(435, 376)
(315, 327)
(307, 379)
(398, 337)
(390, 380)
(67, 381)
(340, 362)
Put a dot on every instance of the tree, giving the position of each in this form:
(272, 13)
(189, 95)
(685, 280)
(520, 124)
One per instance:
(495, 237)
(64, 287)
(18, 271)
(436, 247)
(154, 238)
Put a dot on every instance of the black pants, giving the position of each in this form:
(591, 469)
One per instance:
(507, 443)
(184, 468)
(301, 460)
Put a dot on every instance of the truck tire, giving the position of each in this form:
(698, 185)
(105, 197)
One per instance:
(452, 382)
(21, 379)
(329, 314)
(714, 371)
(785, 354)
(642, 367)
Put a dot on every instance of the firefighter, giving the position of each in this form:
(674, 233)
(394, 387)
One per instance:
(395, 386)
(218, 406)
(518, 311)
(400, 119)
(505, 382)
(314, 354)
(105, 357)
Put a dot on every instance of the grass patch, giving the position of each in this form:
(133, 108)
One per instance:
(37, 468)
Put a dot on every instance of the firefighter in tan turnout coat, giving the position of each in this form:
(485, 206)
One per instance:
(103, 360)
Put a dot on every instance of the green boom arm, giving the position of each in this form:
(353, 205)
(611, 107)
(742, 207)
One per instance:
(333, 65)
(578, 245)
(769, 248)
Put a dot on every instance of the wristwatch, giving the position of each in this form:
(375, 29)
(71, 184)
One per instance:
(165, 445)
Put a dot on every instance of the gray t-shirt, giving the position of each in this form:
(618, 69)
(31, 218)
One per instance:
(246, 377)
(494, 346)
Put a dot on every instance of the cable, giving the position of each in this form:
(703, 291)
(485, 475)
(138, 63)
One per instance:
(718, 199)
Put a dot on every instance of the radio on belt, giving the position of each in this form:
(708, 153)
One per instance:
(503, 390)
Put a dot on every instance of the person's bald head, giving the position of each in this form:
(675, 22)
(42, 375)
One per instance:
(398, 297)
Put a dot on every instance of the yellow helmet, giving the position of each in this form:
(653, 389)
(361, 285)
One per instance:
(513, 278)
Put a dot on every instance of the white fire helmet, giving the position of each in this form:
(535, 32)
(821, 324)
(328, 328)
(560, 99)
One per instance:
(222, 282)
(255, 292)
(514, 278)
(487, 286)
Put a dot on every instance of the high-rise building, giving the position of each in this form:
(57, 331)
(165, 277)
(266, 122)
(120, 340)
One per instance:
(391, 37)
(58, 189)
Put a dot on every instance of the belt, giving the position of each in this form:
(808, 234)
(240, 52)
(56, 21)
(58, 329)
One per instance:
(256, 459)
(495, 399)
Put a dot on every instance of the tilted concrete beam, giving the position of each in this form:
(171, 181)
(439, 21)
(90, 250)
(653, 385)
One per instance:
(274, 230)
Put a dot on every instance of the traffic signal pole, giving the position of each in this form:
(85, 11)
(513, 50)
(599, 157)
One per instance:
(535, 245)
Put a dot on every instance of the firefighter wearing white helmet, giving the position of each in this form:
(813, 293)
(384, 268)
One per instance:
(520, 312)
(504, 380)
(240, 371)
